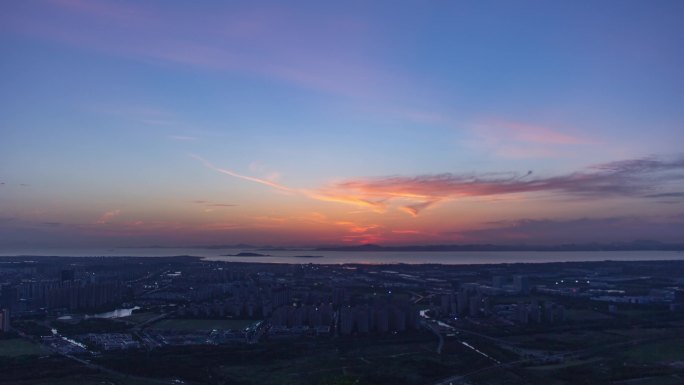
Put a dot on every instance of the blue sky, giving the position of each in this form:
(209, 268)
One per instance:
(389, 122)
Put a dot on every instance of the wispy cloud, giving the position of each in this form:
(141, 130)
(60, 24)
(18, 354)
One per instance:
(211, 206)
(537, 134)
(107, 216)
(321, 195)
(666, 195)
(511, 139)
(265, 182)
(183, 138)
(243, 39)
(627, 178)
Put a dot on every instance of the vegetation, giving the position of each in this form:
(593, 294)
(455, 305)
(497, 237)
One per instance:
(92, 325)
(408, 360)
(202, 324)
(17, 347)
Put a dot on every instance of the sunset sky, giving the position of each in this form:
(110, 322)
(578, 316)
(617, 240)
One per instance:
(133, 123)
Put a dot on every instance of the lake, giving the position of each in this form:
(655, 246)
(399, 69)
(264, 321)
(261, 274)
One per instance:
(365, 257)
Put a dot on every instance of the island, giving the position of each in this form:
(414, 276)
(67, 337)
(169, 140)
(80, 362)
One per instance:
(245, 255)
(257, 255)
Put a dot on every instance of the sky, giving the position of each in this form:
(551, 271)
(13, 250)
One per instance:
(304, 123)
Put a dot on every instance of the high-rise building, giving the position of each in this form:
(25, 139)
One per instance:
(462, 303)
(456, 285)
(447, 304)
(68, 275)
(522, 283)
(523, 313)
(5, 320)
(346, 320)
(679, 296)
(474, 305)
(339, 296)
(8, 296)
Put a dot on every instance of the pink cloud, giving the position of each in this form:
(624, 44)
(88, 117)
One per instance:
(107, 216)
(540, 134)
(629, 178)
(521, 140)
(270, 41)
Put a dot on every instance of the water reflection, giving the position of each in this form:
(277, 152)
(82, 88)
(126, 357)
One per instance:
(117, 313)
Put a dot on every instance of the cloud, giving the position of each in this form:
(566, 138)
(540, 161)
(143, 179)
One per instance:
(538, 134)
(213, 204)
(107, 216)
(415, 209)
(522, 140)
(602, 230)
(666, 195)
(322, 195)
(268, 183)
(243, 39)
(626, 178)
(183, 138)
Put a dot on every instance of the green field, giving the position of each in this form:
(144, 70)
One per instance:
(202, 324)
(566, 341)
(58, 370)
(584, 315)
(396, 360)
(19, 347)
(139, 317)
(664, 351)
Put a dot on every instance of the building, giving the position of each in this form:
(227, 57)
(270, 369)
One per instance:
(8, 296)
(68, 275)
(5, 321)
(679, 296)
(522, 283)
(346, 320)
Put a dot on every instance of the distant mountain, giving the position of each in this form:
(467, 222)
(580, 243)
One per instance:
(209, 247)
(623, 246)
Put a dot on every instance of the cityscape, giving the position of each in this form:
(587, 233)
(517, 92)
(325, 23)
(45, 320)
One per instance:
(175, 319)
(259, 192)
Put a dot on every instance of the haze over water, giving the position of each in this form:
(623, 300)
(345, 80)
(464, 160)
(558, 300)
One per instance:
(372, 257)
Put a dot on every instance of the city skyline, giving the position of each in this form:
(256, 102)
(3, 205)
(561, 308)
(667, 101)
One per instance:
(148, 123)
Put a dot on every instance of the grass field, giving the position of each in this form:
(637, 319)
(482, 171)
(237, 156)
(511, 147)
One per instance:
(570, 340)
(664, 351)
(583, 315)
(139, 317)
(19, 347)
(202, 324)
(396, 360)
(662, 380)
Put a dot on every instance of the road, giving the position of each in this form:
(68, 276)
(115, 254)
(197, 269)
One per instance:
(568, 355)
(433, 328)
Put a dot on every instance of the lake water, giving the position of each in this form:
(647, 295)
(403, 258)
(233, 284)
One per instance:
(118, 313)
(374, 257)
